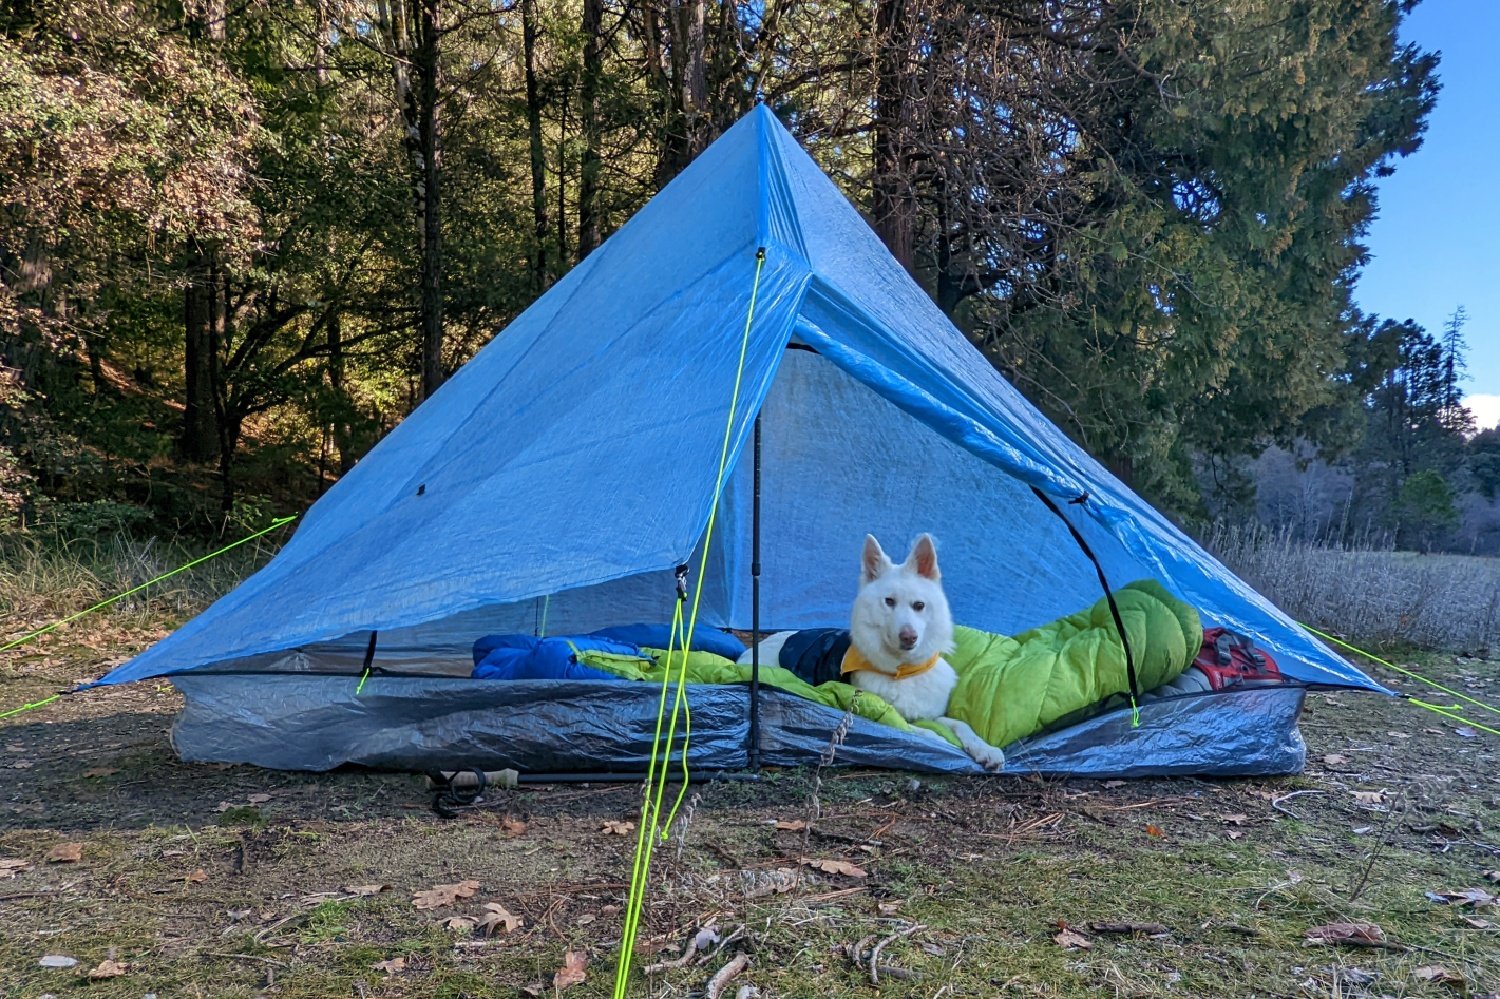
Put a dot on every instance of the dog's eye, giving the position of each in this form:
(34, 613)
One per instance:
(918, 605)
(890, 601)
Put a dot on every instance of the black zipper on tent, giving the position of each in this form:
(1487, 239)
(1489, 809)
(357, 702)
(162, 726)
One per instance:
(1109, 594)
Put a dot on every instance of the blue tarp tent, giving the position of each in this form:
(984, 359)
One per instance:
(570, 466)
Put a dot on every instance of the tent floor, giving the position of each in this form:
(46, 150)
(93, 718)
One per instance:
(316, 722)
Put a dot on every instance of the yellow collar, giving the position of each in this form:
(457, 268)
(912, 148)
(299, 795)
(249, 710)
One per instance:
(854, 662)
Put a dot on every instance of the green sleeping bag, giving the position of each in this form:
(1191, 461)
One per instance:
(1008, 687)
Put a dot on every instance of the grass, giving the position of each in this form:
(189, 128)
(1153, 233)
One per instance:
(1370, 594)
(44, 579)
(970, 882)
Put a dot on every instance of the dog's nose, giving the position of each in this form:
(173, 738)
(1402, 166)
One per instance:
(908, 639)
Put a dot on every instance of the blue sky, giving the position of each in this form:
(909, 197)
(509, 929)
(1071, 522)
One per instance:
(1436, 243)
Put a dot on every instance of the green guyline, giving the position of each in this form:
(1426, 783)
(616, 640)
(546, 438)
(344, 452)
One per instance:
(1454, 712)
(278, 522)
(651, 810)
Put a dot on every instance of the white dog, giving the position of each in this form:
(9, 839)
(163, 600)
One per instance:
(899, 631)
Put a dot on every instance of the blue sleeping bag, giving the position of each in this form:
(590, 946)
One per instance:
(526, 657)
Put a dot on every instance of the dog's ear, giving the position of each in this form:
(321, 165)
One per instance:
(874, 561)
(923, 558)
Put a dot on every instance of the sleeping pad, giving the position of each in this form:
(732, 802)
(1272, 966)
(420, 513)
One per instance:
(1008, 687)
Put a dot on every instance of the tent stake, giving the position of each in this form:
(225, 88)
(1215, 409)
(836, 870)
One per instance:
(755, 607)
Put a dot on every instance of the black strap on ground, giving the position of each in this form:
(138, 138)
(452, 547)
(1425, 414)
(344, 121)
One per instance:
(447, 798)
(1109, 594)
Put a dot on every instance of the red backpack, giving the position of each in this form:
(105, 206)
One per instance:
(1231, 659)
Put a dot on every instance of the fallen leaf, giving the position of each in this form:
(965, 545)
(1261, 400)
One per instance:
(1467, 733)
(223, 806)
(1462, 896)
(1236, 834)
(534, 989)
(108, 969)
(57, 961)
(614, 828)
(758, 883)
(1153, 830)
(571, 973)
(199, 875)
(887, 908)
(390, 967)
(1335, 759)
(1069, 938)
(10, 867)
(837, 867)
(1492, 875)
(1438, 973)
(1399, 735)
(365, 891)
(1362, 830)
(1478, 924)
(1370, 797)
(513, 826)
(1356, 933)
(257, 799)
(585, 919)
(100, 771)
(792, 825)
(497, 917)
(461, 923)
(65, 853)
(1237, 818)
(1114, 783)
(440, 895)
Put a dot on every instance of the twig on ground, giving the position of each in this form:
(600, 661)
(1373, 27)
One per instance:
(677, 962)
(1387, 834)
(875, 954)
(1276, 802)
(723, 976)
(243, 957)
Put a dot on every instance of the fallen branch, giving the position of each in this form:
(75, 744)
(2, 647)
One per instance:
(875, 954)
(676, 962)
(723, 976)
(1150, 929)
(1276, 802)
(243, 957)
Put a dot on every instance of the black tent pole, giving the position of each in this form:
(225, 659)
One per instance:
(755, 606)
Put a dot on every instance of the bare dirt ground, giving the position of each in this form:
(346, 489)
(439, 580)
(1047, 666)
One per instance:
(210, 881)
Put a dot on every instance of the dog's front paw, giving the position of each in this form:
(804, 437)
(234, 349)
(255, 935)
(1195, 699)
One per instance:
(981, 752)
(992, 759)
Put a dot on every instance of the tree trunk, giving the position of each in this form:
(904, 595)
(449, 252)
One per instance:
(892, 203)
(199, 442)
(685, 83)
(199, 438)
(562, 179)
(432, 233)
(540, 232)
(413, 36)
(226, 424)
(588, 184)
